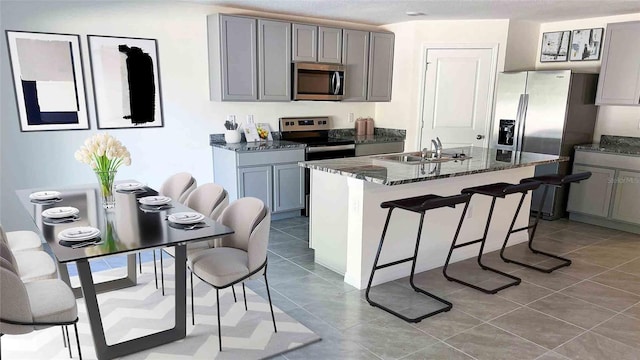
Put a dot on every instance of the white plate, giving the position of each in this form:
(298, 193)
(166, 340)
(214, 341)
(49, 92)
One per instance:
(78, 233)
(186, 218)
(154, 200)
(129, 186)
(44, 195)
(60, 212)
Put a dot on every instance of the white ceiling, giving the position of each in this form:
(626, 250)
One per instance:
(379, 12)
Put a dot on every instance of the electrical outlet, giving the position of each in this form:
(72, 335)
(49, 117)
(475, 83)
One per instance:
(351, 118)
(249, 119)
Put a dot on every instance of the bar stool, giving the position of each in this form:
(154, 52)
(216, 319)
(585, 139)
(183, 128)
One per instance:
(497, 190)
(418, 204)
(547, 181)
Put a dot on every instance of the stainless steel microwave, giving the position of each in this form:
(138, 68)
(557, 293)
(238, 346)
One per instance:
(314, 81)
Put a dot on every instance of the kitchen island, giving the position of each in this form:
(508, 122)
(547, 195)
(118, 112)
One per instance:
(346, 220)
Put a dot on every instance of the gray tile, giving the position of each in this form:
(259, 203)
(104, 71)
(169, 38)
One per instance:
(439, 351)
(280, 301)
(634, 311)
(332, 346)
(554, 246)
(398, 297)
(602, 295)
(283, 271)
(278, 237)
(597, 231)
(432, 281)
(582, 270)
(554, 281)
(573, 310)
(632, 267)
(306, 290)
(287, 223)
(573, 237)
(619, 280)
(536, 327)
(603, 255)
(447, 324)
(344, 310)
(591, 346)
(389, 337)
(300, 232)
(291, 248)
(622, 328)
(307, 262)
(481, 305)
(490, 343)
(524, 293)
(551, 355)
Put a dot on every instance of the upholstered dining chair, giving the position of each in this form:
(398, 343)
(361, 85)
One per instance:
(22, 240)
(242, 255)
(29, 265)
(35, 305)
(209, 200)
(177, 187)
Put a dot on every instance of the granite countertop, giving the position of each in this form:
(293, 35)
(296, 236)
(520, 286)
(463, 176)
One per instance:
(258, 146)
(386, 172)
(625, 145)
(381, 135)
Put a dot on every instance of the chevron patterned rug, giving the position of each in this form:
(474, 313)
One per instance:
(142, 310)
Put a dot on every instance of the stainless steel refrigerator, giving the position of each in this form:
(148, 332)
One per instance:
(544, 112)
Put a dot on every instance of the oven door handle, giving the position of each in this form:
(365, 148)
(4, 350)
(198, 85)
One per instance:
(316, 149)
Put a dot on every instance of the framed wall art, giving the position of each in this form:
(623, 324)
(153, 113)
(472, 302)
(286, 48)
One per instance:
(555, 46)
(126, 82)
(48, 80)
(586, 44)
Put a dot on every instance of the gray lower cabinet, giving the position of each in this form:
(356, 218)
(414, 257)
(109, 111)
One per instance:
(380, 66)
(329, 45)
(626, 203)
(257, 182)
(271, 175)
(592, 196)
(274, 60)
(355, 58)
(611, 196)
(232, 58)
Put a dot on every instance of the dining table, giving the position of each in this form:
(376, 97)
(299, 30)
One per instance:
(126, 229)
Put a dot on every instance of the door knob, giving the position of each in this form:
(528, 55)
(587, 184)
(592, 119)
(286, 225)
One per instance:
(479, 137)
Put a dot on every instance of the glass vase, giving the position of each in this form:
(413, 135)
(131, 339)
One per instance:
(105, 180)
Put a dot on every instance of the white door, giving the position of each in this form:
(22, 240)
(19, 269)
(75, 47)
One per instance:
(457, 96)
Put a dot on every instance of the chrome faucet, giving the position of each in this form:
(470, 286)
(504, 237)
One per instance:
(437, 145)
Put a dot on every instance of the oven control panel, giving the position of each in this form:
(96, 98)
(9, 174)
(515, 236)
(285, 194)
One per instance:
(305, 123)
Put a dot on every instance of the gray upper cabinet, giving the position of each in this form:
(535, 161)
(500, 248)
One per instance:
(305, 43)
(380, 66)
(355, 58)
(329, 45)
(619, 82)
(232, 58)
(274, 60)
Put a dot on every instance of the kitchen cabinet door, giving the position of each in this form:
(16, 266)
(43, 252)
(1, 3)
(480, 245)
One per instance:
(592, 196)
(238, 58)
(619, 82)
(274, 64)
(380, 66)
(256, 181)
(329, 45)
(355, 58)
(626, 201)
(305, 42)
(288, 187)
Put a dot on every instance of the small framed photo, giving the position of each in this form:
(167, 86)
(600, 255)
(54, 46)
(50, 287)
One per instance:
(48, 80)
(586, 44)
(555, 46)
(126, 82)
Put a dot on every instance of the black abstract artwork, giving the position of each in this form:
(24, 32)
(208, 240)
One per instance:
(126, 82)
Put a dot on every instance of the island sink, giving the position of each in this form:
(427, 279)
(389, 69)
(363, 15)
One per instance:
(416, 157)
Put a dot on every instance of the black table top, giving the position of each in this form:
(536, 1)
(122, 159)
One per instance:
(125, 228)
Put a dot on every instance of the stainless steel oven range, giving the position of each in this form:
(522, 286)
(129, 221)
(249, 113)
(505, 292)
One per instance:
(314, 132)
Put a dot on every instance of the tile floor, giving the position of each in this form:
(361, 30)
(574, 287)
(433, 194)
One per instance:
(590, 310)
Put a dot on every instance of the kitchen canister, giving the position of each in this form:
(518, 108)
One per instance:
(370, 126)
(361, 127)
(232, 136)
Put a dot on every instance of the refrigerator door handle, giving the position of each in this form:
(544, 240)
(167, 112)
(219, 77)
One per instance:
(522, 120)
(516, 140)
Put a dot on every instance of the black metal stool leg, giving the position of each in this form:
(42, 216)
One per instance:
(482, 241)
(375, 267)
(161, 271)
(193, 312)
(533, 227)
(75, 327)
(155, 267)
(244, 294)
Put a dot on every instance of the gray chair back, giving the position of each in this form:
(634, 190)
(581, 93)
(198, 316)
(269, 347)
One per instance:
(209, 200)
(179, 186)
(15, 301)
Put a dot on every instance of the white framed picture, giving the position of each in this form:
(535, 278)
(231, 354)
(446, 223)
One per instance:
(586, 44)
(126, 82)
(555, 46)
(48, 80)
